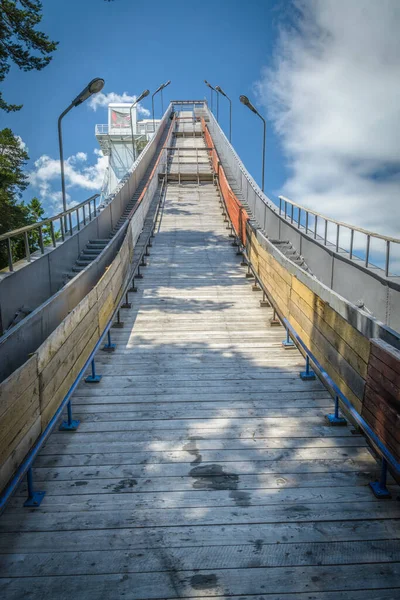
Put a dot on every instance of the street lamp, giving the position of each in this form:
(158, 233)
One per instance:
(244, 100)
(95, 86)
(142, 95)
(159, 89)
(162, 100)
(217, 87)
(212, 89)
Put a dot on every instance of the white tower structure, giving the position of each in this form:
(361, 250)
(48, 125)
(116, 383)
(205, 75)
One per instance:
(121, 142)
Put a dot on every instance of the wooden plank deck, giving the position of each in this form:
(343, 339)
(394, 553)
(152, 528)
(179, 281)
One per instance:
(202, 466)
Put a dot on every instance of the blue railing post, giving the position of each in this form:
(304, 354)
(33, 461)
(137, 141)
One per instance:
(118, 323)
(379, 487)
(336, 419)
(126, 304)
(264, 302)
(308, 374)
(288, 343)
(71, 424)
(133, 288)
(34, 498)
(93, 378)
(109, 346)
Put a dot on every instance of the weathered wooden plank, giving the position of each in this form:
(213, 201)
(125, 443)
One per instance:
(348, 352)
(203, 536)
(23, 443)
(376, 365)
(91, 443)
(60, 481)
(80, 354)
(386, 353)
(222, 584)
(67, 327)
(343, 371)
(206, 499)
(347, 332)
(63, 361)
(157, 467)
(12, 437)
(248, 556)
(16, 384)
(20, 412)
(39, 520)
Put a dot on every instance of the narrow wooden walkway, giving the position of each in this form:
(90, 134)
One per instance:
(202, 466)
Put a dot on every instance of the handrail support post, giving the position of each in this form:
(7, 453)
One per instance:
(109, 346)
(93, 378)
(34, 498)
(308, 374)
(335, 419)
(288, 343)
(379, 487)
(71, 424)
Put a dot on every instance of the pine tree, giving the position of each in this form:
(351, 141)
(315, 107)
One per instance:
(19, 40)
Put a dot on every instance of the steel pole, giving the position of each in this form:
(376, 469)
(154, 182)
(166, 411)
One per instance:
(60, 145)
(263, 154)
(263, 163)
(162, 104)
(230, 119)
(152, 108)
(217, 105)
(133, 141)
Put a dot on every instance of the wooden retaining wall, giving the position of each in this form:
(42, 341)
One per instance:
(32, 394)
(365, 369)
(346, 342)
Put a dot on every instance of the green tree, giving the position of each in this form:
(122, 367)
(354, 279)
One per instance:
(23, 45)
(20, 42)
(13, 181)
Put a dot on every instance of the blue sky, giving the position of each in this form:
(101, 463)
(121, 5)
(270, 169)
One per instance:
(325, 73)
(134, 46)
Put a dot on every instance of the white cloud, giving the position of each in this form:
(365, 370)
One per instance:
(78, 174)
(103, 100)
(333, 96)
(21, 142)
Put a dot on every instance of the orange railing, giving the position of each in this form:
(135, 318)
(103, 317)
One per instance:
(237, 213)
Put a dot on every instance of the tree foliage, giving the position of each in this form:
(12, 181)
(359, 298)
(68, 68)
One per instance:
(14, 213)
(20, 42)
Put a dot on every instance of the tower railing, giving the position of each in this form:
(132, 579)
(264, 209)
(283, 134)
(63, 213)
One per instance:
(48, 231)
(316, 224)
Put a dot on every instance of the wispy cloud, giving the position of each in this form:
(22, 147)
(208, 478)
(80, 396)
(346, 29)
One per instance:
(103, 100)
(333, 97)
(79, 174)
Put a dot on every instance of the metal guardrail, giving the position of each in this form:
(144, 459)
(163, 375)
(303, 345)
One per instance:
(302, 221)
(35, 497)
(293, 339)
(66, 226)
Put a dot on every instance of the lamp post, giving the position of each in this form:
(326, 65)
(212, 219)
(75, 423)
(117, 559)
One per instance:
(159, 89)
(162, 101)
(142, 95)
(212, 89)
(244, 100)
(217, 87)
(95, 86)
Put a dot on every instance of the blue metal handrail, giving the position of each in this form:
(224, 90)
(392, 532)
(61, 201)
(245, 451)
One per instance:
(379, 487)
(387, 455)
(25, 467)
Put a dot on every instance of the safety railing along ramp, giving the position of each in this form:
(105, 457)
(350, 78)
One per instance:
(203, 465)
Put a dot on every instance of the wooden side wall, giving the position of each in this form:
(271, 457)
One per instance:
(366, 370)
(342, 350)
(31, 395)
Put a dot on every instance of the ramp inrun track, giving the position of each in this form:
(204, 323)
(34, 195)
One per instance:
(202, 466)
